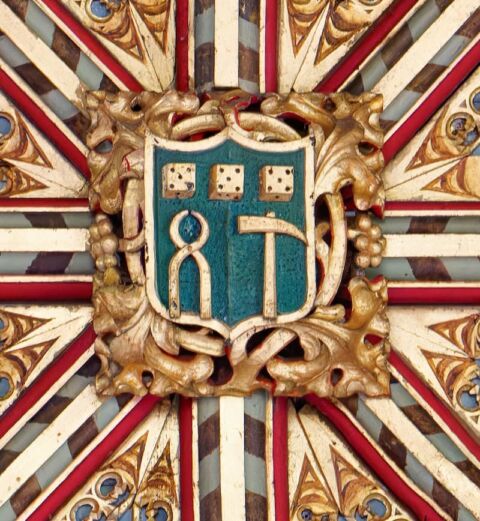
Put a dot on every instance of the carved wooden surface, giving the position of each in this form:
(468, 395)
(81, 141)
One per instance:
(411, 455)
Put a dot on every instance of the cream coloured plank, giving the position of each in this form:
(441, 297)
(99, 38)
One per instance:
(43, 239)
(48, 442)
(81, 45)
(41, 55)
(452, 478)
(419, 54)
(432, 245)
(232, 476)
(226, 43)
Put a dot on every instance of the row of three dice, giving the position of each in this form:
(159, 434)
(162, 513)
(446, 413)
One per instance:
(226, 182)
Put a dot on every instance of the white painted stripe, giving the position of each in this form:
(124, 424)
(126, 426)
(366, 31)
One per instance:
(23, 207)
(41, 55)
(78, 41)
(452, 478)
(226, 43)
(43, 240)
(45, 279)
(423, 50)
(232, 465)
(78, 459)
(269, 457)
(419, 212)
(262, 46)
(432, 245)
(195, 462)
(46, 396)
(384, 455)
(430, 89)
(24, 86)
(48, 442)
(425, 405)
(419, 284)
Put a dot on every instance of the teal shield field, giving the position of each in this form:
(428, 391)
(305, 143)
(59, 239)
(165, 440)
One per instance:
(235, 260)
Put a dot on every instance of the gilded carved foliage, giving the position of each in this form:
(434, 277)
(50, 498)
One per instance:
(18, 144)
(17, 364)
(140, 478)
(327, 481)
(116, 21)
(302, 17)
(15, 182)
(454, 136)
(311, 496)
(359, 496)
(459, 375)
(133, 340)
(114, 486)
(344, 20)
(14, 327)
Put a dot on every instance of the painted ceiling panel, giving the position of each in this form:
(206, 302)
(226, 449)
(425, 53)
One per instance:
(67, 453)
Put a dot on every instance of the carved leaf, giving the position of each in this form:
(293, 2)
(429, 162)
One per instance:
(158, 489)
(302, 16)
(462, 179)
(15, 182)
(463, 332)
(311, 494)
(20, 145)
(345, 19)
(16, 365)
(14, 327)
(155, 14)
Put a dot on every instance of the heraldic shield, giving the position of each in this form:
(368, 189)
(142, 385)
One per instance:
(230, 231)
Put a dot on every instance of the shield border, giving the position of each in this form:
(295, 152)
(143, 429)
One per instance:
(256, 322)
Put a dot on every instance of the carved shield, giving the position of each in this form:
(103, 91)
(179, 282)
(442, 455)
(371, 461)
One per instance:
(230, 231)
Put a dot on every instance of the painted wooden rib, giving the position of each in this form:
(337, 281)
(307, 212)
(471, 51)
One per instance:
(442, 469)
(50, 330)
(43, 239)
(232, 477)
(48, 442)
(423, 349)
(45, 397)
(425, 48)
(226, 43)
(432, 245)
(44, 58)
(46, 7)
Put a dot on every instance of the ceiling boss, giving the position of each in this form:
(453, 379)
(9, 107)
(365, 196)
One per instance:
(223, 247)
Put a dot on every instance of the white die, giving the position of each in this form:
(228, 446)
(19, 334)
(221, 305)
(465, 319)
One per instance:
(276, 183)
(226, 182)
(178, 180)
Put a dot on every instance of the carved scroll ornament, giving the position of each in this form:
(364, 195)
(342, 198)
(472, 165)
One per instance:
(330, 349)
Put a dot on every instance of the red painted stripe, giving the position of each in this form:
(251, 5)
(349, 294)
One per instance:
(271, 45)
(40, 204)
(371, 458)
(438, 406)
(43, 383)
(432, 103)
(93, 44)
(95, 459)
(181, 48)
(433, 295)
(44, 124)
(185, 418)
(427, 206)
(280, 458)
(45, 291)
(362, 50)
